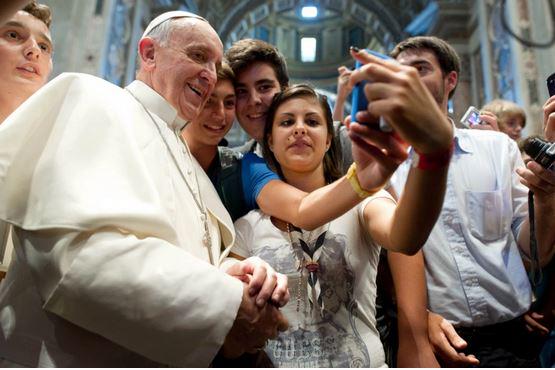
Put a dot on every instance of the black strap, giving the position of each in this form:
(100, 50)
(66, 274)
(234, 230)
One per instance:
(536, 274)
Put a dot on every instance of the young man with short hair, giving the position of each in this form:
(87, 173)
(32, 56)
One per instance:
(474, 272)
(25, 64)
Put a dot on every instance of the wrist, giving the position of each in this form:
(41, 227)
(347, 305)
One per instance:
(435, 160)
(352, 177)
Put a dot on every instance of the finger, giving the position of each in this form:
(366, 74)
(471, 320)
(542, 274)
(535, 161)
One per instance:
(280, 296)
(535, 182)
(257, 280)
(390, 164)
(546, 175)
(443, 349)
(372, 73)
(471, 360)
(533, 325)
(267, 288)
(365, 58)
(383, 141)
(452, 335)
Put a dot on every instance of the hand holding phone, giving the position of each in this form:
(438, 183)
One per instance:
(471, 117)
(358, 99)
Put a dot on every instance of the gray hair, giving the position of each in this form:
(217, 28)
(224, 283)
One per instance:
(161, 33)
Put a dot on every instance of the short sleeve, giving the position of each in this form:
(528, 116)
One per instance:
(255, 174)
(243, 237)
(382, 194)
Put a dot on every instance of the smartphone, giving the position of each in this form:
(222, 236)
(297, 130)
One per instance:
(358, 99)
(551, 84)
(471, 117)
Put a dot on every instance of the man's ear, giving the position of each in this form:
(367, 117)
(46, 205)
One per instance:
(451, 81)
(147, 51)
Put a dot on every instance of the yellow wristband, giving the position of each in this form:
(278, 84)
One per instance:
(353, 180)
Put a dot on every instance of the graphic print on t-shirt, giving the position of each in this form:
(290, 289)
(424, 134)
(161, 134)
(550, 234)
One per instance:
(323, 333)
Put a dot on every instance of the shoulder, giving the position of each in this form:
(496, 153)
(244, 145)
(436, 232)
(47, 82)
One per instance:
(228, 157)
(484, 137)
(247, 147)
(82, 80)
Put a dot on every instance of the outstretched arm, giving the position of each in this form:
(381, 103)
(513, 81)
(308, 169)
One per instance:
(343, 91)
(398, 95)
(542, 182)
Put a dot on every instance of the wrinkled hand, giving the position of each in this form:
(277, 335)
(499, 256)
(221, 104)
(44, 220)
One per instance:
(343, 87)
(538, 179)
(252, 327)
(397, 94)
(489, 122)
(549, 119)
(263, 281)
(447, 344)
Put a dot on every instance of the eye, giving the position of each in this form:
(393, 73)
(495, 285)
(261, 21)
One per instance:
(286, 122)
(14, 35)
(241, 92)
(265, 88)
(229, 104)
(45, 47)
(198, 56)
(312, 122)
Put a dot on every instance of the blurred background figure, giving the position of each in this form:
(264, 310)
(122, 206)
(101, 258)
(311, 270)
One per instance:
(511, 118)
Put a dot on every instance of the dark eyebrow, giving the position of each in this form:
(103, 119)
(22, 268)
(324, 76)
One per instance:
(420, 61)
(265, 81)
(43, 35)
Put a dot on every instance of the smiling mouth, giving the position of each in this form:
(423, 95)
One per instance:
(256, 116)
(214, 128)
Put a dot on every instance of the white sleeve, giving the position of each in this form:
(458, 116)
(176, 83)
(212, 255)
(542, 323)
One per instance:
(243, 238)
(519, 192)
(142, 293)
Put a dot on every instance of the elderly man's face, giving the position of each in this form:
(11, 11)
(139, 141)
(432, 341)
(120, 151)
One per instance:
(185, 72)
(25, 53)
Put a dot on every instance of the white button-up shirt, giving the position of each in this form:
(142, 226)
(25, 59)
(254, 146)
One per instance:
(474, 271)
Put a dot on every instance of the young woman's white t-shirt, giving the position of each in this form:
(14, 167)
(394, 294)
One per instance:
(332, 317)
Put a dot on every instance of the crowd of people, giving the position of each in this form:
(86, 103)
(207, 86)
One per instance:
(138, 240)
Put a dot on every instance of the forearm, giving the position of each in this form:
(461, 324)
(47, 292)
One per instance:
(134, 291)
(339, 108)
(544, 214)
(418, 209)
(412, 316)
(307, 210)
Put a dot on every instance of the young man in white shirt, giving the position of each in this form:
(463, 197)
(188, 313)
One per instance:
(474, 272)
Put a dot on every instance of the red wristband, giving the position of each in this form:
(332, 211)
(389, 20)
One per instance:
(433, 161)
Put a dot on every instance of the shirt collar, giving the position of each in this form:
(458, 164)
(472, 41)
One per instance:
(463, 143)
(156, 104)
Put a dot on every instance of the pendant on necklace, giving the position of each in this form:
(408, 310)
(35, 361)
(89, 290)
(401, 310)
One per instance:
(312, 266)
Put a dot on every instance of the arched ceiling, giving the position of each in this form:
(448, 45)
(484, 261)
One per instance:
(363, 23)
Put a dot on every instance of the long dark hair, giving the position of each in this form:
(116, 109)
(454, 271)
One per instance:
(332, 157)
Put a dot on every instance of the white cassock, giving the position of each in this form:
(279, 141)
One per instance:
(110, 267)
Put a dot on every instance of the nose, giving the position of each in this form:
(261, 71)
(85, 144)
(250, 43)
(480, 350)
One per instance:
(300, 128)
(32, 50)
(254, 97)
(219, 110)
(208, 73)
